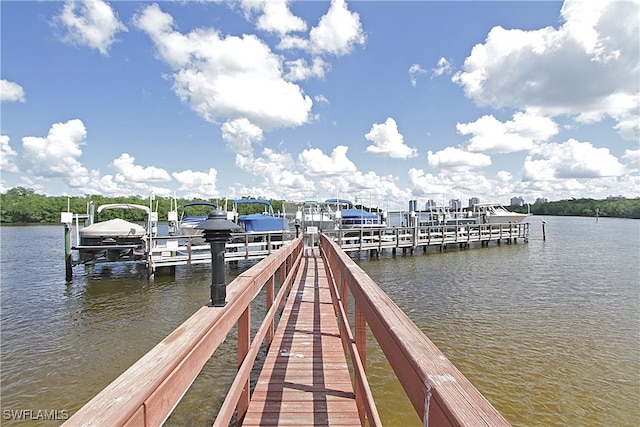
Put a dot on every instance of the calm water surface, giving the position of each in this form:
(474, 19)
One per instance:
(548, 331)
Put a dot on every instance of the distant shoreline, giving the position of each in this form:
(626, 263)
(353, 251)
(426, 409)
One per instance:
(24, 206)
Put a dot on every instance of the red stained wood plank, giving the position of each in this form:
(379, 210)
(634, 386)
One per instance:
(305, 379)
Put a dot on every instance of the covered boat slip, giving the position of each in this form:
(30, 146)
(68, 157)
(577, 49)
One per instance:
(261, 223)
(305, 379)
(114, 239)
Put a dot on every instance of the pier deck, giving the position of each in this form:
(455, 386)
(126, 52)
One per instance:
(305, 378)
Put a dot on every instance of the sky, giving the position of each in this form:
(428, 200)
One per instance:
(373, 101)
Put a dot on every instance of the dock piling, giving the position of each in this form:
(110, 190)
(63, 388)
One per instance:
(66, 218)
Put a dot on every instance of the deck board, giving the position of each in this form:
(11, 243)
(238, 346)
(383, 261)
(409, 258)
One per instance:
(305, 378)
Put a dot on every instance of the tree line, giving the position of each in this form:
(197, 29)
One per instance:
(24, 205)
(618, 208)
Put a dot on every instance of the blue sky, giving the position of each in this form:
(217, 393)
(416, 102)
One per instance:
(380, 101)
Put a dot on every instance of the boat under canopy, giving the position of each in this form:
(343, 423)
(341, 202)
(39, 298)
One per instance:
(187, 224)
(261, 223)
(116, 239)
(355, 217)
(495, 213)
(113, 228)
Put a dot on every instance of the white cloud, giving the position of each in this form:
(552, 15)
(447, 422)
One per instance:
(338, 33)
(370, 184)
(588, 68)
(367, 187)
(460, 184)
(632, 157)
(388, 141)
(276, 16)
(129, 172)
(598, 188)
(466, 183)
(456, 159)
(8, 155)
(519, 134)
(443, 67)
(299, 69)
(240, 134)
(197, 184)
(90, 23)
(278, 172)
(226, 77)
(321, 99)
(315, 163)
(414, 71)
(56, 154)
(93, 182)
(314, 176)
(570, 160)
(11, 92)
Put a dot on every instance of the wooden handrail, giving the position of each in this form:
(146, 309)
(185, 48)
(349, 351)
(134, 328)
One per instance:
(438, 391)
(147, 392)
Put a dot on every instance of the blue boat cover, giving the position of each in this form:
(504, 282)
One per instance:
(357, 213)
(261, 223)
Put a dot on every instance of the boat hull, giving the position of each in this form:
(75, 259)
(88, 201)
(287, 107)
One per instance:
(504, 219)
(115, 239)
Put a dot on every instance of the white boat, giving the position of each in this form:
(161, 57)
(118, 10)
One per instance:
(114, 239)
(189, 220)
(351, 217)
(495, 213)
(443, 215)
(312, 213)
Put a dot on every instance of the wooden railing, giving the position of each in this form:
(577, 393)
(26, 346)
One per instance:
(147, 392)
(438, 391)
(180, 250)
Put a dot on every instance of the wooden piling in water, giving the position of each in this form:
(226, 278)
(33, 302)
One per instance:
(67, 252)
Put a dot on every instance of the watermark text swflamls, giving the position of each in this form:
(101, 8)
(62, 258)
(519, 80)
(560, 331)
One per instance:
(35, 414)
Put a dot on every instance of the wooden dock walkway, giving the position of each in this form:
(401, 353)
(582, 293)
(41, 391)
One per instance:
(305, 378)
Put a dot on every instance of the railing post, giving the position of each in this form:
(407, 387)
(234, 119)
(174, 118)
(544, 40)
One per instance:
(244, 342)
(361, 345)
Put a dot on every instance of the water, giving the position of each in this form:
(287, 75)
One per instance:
(548, 331)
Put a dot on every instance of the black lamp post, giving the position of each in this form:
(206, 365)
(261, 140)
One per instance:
(217, 232)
